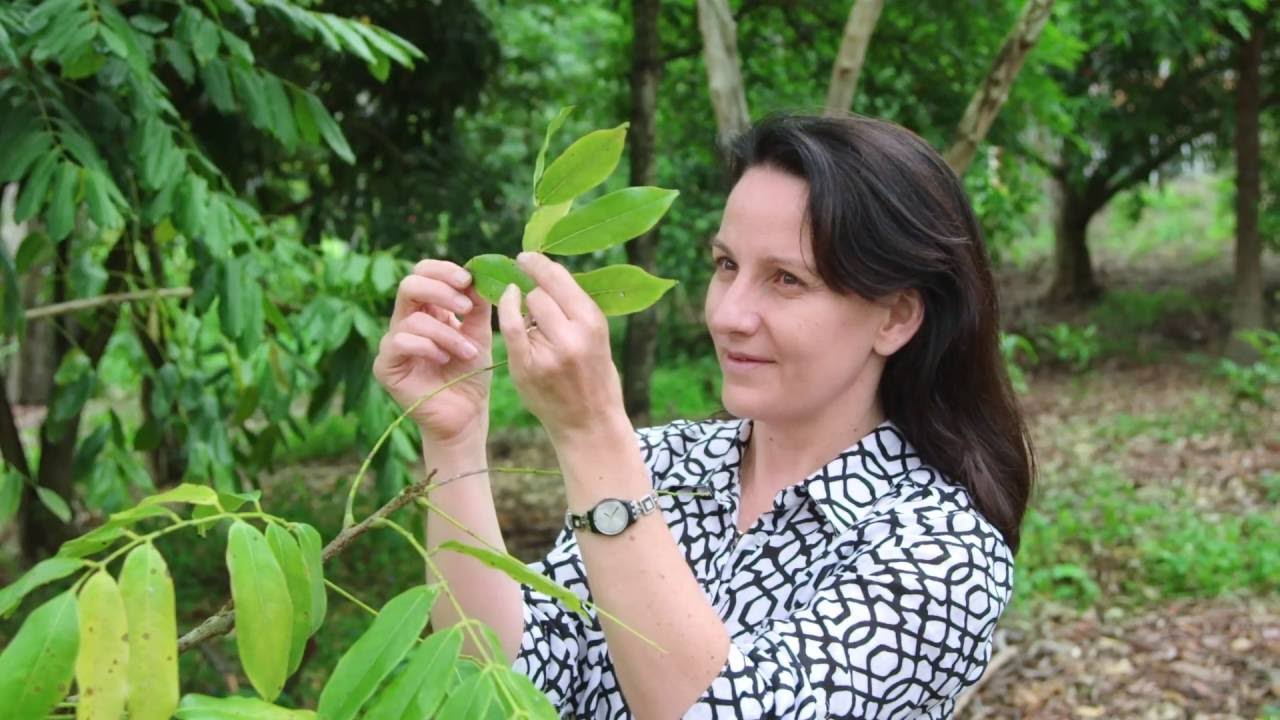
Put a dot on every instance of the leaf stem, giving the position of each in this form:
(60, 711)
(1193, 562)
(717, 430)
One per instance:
(354, 600)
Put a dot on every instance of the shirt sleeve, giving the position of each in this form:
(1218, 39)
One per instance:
(553, 646)
(906, 627)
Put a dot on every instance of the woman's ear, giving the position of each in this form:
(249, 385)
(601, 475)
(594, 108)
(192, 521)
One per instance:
(906, 313)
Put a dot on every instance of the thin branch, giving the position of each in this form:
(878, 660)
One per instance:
(221, 622)
(70, 306)
(10, 439)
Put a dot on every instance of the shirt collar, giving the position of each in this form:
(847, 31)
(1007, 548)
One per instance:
(845, 489)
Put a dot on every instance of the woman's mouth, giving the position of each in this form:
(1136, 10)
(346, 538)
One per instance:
(741, 361)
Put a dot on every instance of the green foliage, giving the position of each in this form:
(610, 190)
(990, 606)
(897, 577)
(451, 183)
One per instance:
(1098, 530)
(1019, 353)
(37, 666)
(1068, 345)
(1250, 384)
(608, 221)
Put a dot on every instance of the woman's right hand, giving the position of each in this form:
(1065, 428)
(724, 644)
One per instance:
(440, 330)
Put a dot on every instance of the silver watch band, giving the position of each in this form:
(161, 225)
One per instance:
(635, 508)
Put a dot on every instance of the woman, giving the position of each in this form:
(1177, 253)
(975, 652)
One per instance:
(843, 548)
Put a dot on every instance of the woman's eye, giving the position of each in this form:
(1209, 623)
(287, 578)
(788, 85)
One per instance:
(722, 263)
(789, 279)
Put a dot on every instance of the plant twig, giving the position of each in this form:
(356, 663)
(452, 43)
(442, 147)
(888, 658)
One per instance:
(221, 622)
(70, 306)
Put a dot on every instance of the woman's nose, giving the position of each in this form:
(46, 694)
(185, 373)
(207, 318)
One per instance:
(732, 309)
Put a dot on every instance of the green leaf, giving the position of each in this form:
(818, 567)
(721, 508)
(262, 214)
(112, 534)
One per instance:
(23, 145)
(54, 503)
(192, 201)
(329, 130)
(202, 36)
(12, 319)
(83, 64)
(61, 217)
(104, 649)
(34, 190)
(149, 24)
(204, 707)
(237, 47)
(152, 672)
(378, 651)
(552, 128)
(263, 609)
(609, 220)
(96, 540)
(37, 666)
(35, 251)
(102, 210)
(623, 289)
(184, 493)
(540, 223)
(70, 398)
(384, 274)
(42, 573)
(417, 691)
(376, 40)
(585, 164)
(302, 118)
(313, 562)
(250, 90)
(179, 58)
(529, 701)
(493, 273)
(521, 573)
(475, 697)
(286, 551)
(351, 39)
(217, 84)
(281, 113)
(10, 496)
(6, 48)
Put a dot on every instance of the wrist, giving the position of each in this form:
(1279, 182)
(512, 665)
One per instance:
(602, 432)
(463, 445)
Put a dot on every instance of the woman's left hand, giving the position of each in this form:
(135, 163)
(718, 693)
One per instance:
(562, 365)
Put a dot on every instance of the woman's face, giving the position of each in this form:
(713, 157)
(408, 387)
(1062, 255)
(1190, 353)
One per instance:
(791, 349)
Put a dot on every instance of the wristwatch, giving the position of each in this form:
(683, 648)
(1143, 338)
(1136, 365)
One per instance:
(611, 516)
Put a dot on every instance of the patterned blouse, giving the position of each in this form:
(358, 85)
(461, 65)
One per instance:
(869, 590)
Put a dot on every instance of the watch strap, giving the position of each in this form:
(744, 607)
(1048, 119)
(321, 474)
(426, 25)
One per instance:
(635, 508)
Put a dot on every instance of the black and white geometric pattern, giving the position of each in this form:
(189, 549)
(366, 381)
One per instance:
(870, 590)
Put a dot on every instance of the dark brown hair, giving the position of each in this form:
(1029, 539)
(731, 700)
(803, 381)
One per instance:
(887, 214)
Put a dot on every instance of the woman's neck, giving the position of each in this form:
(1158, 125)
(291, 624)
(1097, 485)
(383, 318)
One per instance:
(782, 454)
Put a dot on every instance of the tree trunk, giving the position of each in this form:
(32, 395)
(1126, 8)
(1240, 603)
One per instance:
(1247, 301)
(1073, 279)
(853, 51)
(40, 531)
(991, 95)
(642, 328)
(724, 72)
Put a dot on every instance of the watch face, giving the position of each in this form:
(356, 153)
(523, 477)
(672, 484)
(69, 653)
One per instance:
(610, 517)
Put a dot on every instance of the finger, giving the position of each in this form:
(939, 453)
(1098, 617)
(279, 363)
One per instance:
(416, 291)
(512, 324)
(446, 338)
(548, 316)
(400, 346)
(556, 280)
(445, 271)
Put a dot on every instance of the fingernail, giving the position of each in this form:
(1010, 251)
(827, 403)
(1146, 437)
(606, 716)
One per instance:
(469, 351)
(524, 258)
(462, 305)
(463, 277)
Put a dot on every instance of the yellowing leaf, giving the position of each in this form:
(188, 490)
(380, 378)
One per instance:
(264, 611)
(609, 220)
(585, 164)
(623, 289)
(313, 561)
(104, 650)
(147, 590)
